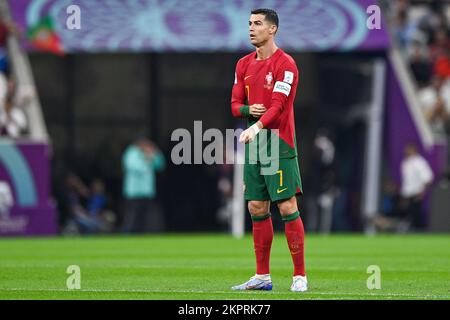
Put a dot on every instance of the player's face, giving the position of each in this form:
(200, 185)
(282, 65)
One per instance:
(260, 31)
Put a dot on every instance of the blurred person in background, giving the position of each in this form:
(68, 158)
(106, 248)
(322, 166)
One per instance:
(421, 32)
(140, 161)
(416, 178)
(435, 102)
(406, 32)
(80, 221)
(440, 54)
(420, 64)
(6, 29)
(323, 186)
(6, 199)
(97, 206)
(440, 43)
(225, 187)
(13, 119)
(391, 217)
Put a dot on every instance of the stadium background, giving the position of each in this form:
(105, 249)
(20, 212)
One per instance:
(150, 67)
(106, 89)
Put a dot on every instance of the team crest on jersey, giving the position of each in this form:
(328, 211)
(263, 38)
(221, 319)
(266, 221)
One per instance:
(269, 79)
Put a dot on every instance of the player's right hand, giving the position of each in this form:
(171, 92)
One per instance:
(257, 110)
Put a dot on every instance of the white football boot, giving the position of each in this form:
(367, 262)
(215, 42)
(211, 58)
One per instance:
(299, 284)
(257, 282)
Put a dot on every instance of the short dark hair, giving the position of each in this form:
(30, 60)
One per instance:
(270, 15)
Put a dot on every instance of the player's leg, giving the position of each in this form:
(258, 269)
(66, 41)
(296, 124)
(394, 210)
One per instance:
(295, 236)
(262, 229)
(259, 207)
(295, 233)
(283, 188)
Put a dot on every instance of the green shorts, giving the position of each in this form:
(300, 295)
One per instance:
(284, 184)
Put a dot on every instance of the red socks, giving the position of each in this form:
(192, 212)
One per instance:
(295, 235)
(263, 236)
(262, 240)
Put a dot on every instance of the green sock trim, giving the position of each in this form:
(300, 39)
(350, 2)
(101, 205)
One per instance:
(260, 218)
(291, 217)
(245, 111)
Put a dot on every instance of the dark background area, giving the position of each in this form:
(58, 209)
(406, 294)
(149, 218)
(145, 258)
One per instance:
(95, 105)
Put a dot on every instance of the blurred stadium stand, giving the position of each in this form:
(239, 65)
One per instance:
(24, 161)
(115, 82)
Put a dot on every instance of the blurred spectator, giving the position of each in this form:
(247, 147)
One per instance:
(440, 54)
(416, 177)
(392, 217)
(442, 65)
(440, 43)
(97, 206)
(93, 219)
(407, 33)
(421, 31)
(75, 193)
(6, 199)
(6, 28)
(421, 65)
(323, 186)
(391, 199)
(13, 120)
(140, 162)
(225, 187)
(435, 103)
(97, 199)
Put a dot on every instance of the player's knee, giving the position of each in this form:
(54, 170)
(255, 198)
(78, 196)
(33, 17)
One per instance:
(257, 208)
(288, 206)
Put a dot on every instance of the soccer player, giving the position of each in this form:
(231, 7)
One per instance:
(264, 92)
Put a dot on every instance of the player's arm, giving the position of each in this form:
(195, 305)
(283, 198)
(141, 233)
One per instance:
(284, 80)
(281, 91)
(238, 107)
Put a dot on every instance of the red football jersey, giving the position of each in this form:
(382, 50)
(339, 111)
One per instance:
(273, 83)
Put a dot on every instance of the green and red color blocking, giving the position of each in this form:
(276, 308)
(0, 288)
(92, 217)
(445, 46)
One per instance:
(44, 37)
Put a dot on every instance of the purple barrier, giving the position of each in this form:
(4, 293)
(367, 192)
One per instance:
(400, 130)
(25, 205)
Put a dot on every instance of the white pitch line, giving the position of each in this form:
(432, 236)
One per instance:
(229, 292)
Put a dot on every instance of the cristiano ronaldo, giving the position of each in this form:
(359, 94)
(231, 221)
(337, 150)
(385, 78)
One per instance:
(263, 92)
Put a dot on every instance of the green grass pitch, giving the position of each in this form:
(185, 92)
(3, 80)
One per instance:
(205, 266)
